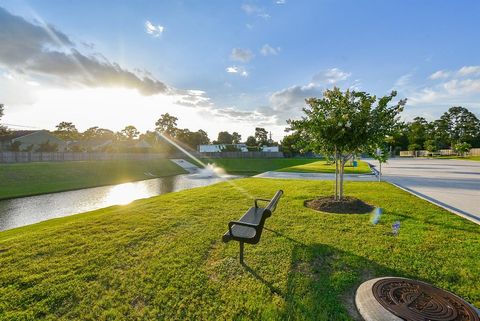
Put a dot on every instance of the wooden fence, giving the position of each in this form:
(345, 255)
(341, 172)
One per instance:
(25, 157)
(243, 155)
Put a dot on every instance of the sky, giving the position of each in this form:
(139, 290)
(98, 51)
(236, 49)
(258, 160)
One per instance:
(229, 65)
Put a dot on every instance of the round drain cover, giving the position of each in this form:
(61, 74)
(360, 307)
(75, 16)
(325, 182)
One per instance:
(397, 299)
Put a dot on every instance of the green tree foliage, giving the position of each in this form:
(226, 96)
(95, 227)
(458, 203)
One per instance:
(292, 144)
(66, 131)
(261, 136)
(462, 148)
(129, 133)
(417, 131)
(96, 133)
(224, 138)
(236, 138)
(342, 124)
(431, 146)
(461, 124)
(167, 125)
(251, 141)
(192, 139)
(47, 147)
(3, 129)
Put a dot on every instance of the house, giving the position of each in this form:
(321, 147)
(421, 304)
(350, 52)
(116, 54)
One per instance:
(217, 148)
(270, 149)
(30, 140)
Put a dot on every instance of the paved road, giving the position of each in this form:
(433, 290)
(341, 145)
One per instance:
(452, 184)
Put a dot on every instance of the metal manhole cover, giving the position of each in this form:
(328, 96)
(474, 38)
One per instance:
(417, 301)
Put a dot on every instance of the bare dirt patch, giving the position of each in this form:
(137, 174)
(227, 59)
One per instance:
(349, 205)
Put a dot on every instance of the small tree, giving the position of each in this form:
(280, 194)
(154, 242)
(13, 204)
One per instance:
(261, 136)
(431, 146)
(236, 138)
(342, 124)
(3, 129)
(47, 147)
(462, 148)
(381, 154)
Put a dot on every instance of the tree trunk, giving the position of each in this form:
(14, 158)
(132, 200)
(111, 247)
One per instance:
(336, 175)
(342, 166)
(380, 172)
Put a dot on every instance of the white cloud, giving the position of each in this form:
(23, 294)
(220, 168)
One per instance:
(243, 55)
(439, 75)
(268, 50)
(237, 70)
(253, 10)
(402, 82)
(469, 70)
(154, 30)
(281, 1)
(330, 76)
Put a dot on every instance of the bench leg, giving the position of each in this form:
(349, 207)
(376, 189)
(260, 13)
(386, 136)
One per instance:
(241, 252)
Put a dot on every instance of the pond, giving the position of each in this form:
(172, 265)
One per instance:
(33, 209)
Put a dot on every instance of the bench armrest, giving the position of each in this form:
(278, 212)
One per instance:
(261, 199)
(230, 224)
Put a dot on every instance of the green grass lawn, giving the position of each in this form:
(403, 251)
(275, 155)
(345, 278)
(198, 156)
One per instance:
(324, 167)
(162, 258)
(472, 158)
(256, 165)
(23, 179)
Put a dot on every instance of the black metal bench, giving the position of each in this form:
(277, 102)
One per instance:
(248, 229)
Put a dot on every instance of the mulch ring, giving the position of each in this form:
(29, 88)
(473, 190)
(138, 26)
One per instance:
(349, 205)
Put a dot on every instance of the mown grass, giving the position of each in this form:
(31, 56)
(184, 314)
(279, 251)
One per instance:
(472, 158)
(162, 258)
(327, 167)
(23, 179)
(254, 166)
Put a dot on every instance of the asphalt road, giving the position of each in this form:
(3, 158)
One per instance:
(452, 184)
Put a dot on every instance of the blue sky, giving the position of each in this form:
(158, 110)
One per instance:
(231, 65)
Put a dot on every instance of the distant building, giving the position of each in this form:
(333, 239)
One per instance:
(30, 140)
(270, 149)
(216, 148)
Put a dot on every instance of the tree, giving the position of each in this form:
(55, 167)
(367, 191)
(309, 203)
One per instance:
(417, 131)
(342, 124)
(236, 138)
(261, 136)
(3, 129)
(66, 131)
(381, 154)
(167, 125)
(224, 138)
(292, 144)
(193, 139)
(251, 141)
(47, 147)
(129, 133)
(462, 148)
(94, 133)
(462, 125)
(431, 146)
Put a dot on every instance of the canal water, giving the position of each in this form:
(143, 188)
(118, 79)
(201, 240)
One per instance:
(33, 209)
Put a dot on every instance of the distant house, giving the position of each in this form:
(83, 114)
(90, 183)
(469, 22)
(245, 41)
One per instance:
(30, 140)
(216, 148)
(270, 149)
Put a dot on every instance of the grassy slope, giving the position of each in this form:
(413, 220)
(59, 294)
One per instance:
(162, 257)
(324, 167)
(38, 178)
(256, 165)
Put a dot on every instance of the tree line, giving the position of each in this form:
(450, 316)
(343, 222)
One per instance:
(123, 140)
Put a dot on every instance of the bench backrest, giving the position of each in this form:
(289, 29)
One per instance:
(272, 205)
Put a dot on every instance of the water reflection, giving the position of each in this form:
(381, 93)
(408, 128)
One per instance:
(29, 210)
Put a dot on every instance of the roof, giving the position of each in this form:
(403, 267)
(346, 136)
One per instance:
(16, 134)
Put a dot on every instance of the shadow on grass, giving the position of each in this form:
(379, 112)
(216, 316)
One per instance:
(322, 281)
